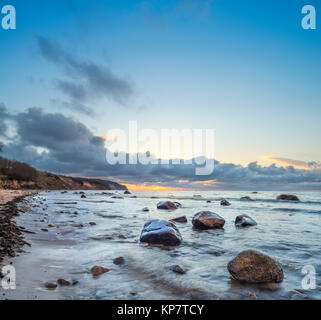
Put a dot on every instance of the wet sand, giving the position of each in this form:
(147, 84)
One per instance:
(33, 264)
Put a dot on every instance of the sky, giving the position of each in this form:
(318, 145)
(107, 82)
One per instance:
(72, 70)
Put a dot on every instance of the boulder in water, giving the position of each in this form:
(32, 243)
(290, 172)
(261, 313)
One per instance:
(244, 221)
(177, 269)
(255, 267)
(207, 220)
(168, 205)
(161, 232)
(246, 198)
(225, 203)
(182, 219)
(98, 270)
(145, 209)
(127, 192)
(288, 197)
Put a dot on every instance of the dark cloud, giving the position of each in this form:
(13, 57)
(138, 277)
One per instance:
(87, 81)
(69, 147)
(3, 117)
(49, 130)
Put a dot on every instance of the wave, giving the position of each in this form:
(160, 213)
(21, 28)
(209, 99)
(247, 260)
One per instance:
(297, 210)
(200, 198)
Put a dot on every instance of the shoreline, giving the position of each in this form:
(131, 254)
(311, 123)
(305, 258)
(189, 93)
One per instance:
(12, 235)
(30, 248)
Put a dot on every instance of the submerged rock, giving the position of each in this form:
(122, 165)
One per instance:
(207, 220)
(178, 269)
(63, 282)
(145, 209)
(247, 198)
(244, 221)
(119, 260)
(51, 285)
(182, 219)
(161, 232)
(255, 267)
(288, 197)
(168, 205)
(225, 203)
(98, 270)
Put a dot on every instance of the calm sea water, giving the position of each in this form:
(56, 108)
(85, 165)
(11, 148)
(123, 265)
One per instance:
(287, 231)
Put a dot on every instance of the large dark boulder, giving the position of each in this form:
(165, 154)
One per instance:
(255, 267)
(168, 205)
(161, 232)
(207, 220)
(288, 197)
(244, 221)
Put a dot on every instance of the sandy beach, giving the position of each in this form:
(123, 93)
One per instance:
(35, 258)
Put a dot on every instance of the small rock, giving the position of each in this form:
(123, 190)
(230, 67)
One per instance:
(51, 285)
(74, 282)
(247, 198)
(252, 296)
(168, 205)
(63, 282)
(255, 267)
(127, 192)
(178, 269)
(288, 197)
(161, 232)
(117, 197)
(98, 270)
(225, 203)
(92, 223)
(44, 230)
(145, 209)
(83, 196)
(244, 221)
(208, 201)
(119, 260)
(216, 253)
(121, 236)
(182, 219)
(207, 220)
(51, 225)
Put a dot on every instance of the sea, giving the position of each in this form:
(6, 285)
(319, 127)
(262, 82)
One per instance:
(93, 231)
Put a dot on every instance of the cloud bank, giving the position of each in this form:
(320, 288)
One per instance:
(86, 81)
(60, 144)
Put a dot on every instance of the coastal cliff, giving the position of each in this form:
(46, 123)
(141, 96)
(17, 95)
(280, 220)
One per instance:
(20, 176)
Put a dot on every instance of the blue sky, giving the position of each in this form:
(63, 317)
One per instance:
(245, 68)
